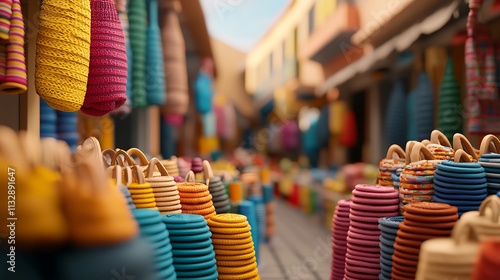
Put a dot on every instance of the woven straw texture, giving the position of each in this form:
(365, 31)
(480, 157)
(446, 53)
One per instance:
(107, 84)
(175, 63)
(14, 80)
(63, 53)
(137, 14)
(155, 73)
(5, 18)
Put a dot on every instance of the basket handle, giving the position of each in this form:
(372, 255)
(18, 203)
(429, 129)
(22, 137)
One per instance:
(190, 177)
(143, 160)
(492, 202)
(116, 173)
(462, 156)
(437, 137)
(129, 160)
(489, 141)
(426, 142)
(408, 148)
(107, 157)
(461, 142)
(463, 231)
(137, 174)
(207, 170)
(156, 163)
(395, 150)
(420, 152)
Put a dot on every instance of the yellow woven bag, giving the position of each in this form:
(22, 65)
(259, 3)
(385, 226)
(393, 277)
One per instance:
(63, 53)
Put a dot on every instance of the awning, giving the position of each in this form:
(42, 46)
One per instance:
(399, 43)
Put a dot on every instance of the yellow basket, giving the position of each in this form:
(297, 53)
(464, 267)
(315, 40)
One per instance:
(63, 53)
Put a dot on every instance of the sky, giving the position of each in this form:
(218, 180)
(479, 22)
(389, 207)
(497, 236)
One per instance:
(241, 23)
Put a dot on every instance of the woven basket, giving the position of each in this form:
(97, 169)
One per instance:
(174, 58)
(137, 14)
(15, 80)
(107, 83)
(5, 18)
(155, 73)
(63, 53)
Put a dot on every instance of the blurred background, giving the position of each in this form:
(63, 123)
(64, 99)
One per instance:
(315, 90)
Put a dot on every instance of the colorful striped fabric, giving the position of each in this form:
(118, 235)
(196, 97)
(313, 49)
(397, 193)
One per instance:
(14, 80)
(5, 18)
(480, 71)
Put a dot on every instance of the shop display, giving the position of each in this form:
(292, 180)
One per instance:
(247, 209)
(411, 127)
(416, 180)
(155, 72)
(491, 163)
(233, 245)
(195, 197)
(488, 264)
(220, 198)
(422, 221)
(13, 77)
(164, 187)
(482, 92)
(395, 118)
(449, 257)
(449, 113)
(154, 230)
(369, 203)
(389, 227)
(192, 249)
(461, 184)
(340, 228)
(5, 23)
(48, 121)
(394, 160)
(424, 107)
(107, 77)
(62, 61)
(67, 128)
(174, 63)
(137, 16)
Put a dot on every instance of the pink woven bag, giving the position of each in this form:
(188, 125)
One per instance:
(107, 82)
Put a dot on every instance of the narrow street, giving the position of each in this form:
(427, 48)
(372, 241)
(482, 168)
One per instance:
(300, 249)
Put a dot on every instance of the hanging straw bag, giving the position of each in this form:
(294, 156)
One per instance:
(63, 53)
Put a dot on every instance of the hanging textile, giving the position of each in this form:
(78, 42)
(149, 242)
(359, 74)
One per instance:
(290, 135)
(323, 133)
(121, 7)
(48, 120)
(203, 93)
(336, 115)
(411, 128)
(209, 124)
(449, 120)
(424, 108)
(155, 72)
(482, 93)
(137, 17)
(107, 78)
(63, 53)
(67, 128)
(174, 58)
(13, 79)
(395, 118)
(349, 137)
